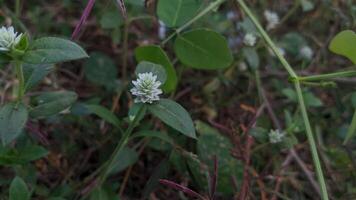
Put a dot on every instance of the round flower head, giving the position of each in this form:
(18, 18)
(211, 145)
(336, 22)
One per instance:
(276, 136)
(306, 52)
(272, 19)
(8, 38)
(250, 39)
(146, 88)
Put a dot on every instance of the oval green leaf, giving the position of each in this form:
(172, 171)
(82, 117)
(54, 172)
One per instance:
(105, 114)
(344, 43)
(19, 190)
(158, 70)
(51, 103)
(173, 115)
(175, 13)
(33, 74)
(203, 49)
(100, 69)
(53, 50)
(155, 54)
(13, 118)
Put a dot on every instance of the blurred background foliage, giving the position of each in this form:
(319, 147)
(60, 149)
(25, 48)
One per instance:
(57, 153)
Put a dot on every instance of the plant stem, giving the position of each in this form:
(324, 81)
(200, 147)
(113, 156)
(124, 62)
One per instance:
(328, 76)
(210, 7)
(21, 79)
(123, 141)
(17, 8)
(268, 40)
(311, 141)
(294, 76)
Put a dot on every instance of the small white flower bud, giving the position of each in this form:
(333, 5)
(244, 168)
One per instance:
(272, 19)
(250, 39)
(276, 136)
(8, 38)
(146, 88)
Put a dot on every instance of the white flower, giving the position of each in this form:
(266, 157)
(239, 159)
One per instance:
(272, 19)
(146, 88)
(276, 136)
(250, 39)
(8, 38)
(306, 52)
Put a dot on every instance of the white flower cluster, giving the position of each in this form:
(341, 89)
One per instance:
(276, 136)
(8, 38)
(272, 19)
(250, 39)
(146, 88)
(306, 52)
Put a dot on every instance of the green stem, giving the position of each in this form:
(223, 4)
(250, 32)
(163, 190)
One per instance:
(323, 77)
(21, 79)
(123, 141)
(211, 7)
(17, 8)
(268, 40)
(311, 141)
(294, 76)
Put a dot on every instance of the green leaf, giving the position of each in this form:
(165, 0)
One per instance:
(53, 50)
(34, 74)
(158, 70)
(111, 19)
(126, 158)
(309, 98)
(13, 118)
(173, 115)
(292, 42)
(312, 100)
(212, 143)
(155, 54)
(21, 156)
(23, 43)
(248, 26)
(19, 190)
(51, 103)
(252, 57)
(175, 13)
(105, 114)
(352, 129)
(155, 134)
(203, 49)
(344, 43)
(134, 109)
(100, 69)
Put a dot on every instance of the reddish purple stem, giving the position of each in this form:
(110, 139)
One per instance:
(184, 189)
(83, 19)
